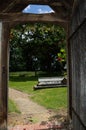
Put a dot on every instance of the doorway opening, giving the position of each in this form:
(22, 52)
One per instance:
(37, 50)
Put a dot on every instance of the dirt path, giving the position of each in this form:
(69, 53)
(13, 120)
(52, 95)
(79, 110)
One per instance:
(30, 112)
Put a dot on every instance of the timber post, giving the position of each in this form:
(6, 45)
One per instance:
(4, 56)
(69, 76)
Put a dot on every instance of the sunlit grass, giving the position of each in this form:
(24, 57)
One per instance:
(23, 81)
(53, 98)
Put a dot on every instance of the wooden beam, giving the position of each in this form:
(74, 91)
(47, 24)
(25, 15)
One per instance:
(27, 17)
(5, 4)
(4, 54)
(9, 6)
(45, 1)
(18, 5)
(32, 18)
(64, 10)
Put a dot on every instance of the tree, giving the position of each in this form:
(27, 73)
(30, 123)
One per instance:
(42, 41)
(16, 59)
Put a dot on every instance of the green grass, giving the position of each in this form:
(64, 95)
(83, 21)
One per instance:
(53, 98)
(23, 81)
(12, 107)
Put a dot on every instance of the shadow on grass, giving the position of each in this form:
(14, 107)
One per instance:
(21, 78)
(49, 74)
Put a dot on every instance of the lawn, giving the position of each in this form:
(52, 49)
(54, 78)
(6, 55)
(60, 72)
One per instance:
(23, 81)
(53, 98)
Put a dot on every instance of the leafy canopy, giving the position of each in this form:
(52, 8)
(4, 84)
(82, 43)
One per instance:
(43, 42)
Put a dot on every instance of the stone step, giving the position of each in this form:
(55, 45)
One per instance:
(48, 86)
(50, 82)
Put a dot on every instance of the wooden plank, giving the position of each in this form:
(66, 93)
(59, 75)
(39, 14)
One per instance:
(69, 75)
(16, 18)
(82, 35)
(5, 4)
(19, 5)
(79, 74)
(78, 60)
(1, 106)
(26, 17)
(79, 14)
(4, 54)
(75, 78)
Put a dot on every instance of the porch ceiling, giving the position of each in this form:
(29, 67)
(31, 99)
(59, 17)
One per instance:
(11, 10)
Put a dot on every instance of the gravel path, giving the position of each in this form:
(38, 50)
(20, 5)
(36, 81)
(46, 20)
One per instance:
(25, 104)
(30, 111)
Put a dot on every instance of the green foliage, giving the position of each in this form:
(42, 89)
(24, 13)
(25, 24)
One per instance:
(16, 59)
(41, 41)
(62, 55)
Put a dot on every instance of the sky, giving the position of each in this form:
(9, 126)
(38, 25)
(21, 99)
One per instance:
(38, 9)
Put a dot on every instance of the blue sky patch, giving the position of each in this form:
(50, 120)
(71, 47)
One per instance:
(37, 9)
